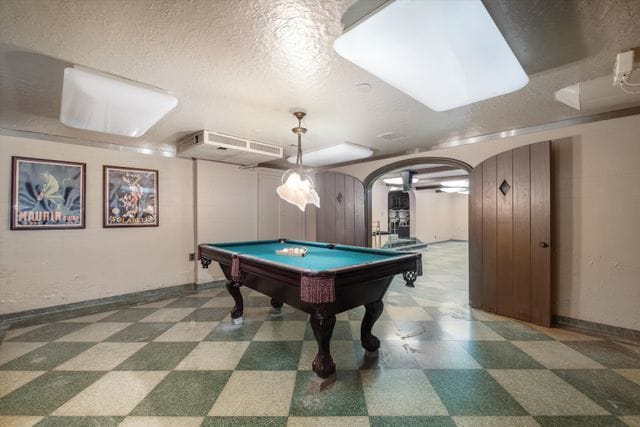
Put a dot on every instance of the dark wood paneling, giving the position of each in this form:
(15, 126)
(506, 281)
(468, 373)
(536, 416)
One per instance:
(321, 214)
(475, 237)
(504, 235)
(541, 233)
(358, 198)
(350, 210)
(522, 232)
(340, 221)
(340, 203)
(489, 243)
(330, 207)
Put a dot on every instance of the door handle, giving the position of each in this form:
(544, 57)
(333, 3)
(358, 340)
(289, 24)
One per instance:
(543, 244)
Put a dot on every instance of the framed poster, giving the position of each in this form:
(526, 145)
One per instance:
(47, 194)
(130, 197)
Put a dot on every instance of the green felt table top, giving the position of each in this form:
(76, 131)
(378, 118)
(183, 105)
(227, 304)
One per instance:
(319, 257)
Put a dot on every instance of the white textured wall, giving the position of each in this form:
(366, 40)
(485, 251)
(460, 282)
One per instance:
(596, 214)
(460, 216)
(49, 267)
(440, 216)
(597, 224)
(227, 208)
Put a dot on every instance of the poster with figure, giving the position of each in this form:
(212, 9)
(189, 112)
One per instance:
(130, 197)
(47, 194)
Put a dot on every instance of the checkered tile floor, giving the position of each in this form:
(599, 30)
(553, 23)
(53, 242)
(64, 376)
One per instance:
(181, 362)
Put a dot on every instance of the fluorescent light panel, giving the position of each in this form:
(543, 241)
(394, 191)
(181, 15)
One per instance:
(398, 181)
(443, 53)
(453, 189)
(455, 183)
(103, 103)
(344, 152)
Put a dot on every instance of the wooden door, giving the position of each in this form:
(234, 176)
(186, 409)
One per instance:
(509, 234)
(340, 218)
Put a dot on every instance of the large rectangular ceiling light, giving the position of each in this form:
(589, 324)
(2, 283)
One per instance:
(103, 103)
(340, 153)
(443, 53)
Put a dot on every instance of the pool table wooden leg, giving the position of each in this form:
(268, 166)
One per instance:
(236, 313)
(277, 305)
(322, 325)
(373, 311)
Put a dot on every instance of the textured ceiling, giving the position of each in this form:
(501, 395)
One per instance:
(241, 67)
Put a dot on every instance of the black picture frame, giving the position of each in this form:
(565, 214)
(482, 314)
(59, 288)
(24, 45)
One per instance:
(130, 197)
(47, 194)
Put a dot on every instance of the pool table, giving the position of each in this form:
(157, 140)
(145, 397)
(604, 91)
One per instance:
(330, 279)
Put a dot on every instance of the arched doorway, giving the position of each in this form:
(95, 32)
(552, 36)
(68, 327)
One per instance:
(402, 164)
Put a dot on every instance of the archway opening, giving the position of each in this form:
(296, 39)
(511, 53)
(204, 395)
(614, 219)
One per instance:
(421, 205)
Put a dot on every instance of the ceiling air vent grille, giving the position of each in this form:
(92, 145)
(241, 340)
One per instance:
(227, 139)
(226, 148)
(265, 148)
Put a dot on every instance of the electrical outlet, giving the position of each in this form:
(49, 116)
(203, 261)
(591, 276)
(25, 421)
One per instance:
(192, 256)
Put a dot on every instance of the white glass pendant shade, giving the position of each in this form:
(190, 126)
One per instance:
(298, 190)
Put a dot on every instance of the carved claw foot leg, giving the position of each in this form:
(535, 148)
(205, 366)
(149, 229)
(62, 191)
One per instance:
(236, 313)
(277, 305)
(410, 278)
(373, 311)
(322, 325)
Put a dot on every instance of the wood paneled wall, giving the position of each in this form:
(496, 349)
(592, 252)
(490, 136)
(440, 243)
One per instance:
(340, 218)
(509, 234)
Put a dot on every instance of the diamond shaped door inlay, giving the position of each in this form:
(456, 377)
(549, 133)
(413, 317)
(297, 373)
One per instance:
(339, 198)
(504, 187)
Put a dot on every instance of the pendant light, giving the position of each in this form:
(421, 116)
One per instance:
(297, 185)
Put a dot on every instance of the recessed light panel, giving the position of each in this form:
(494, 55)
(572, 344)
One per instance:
(103, 103)
(443, 53)
(340, 153)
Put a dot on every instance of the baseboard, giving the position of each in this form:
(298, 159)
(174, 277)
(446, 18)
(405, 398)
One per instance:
(84, 308)
(599, 328)
(445, 241)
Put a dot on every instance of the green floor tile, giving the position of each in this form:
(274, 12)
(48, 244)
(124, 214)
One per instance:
(207, 314)
(188, 302)
(184, 394)
(342, 331)
(513, 331)
(271, 356)
(257, 301)
(80, 422)
(50, 332)
(129, 315)
(157, 356)
(411, 421)
(245, 422)
(607, 353)
(579, 421)
(610, 390)
(344, 397)
(227, 331)
(139, 332)
(46, 357)
(500, 355)
(46, 393)
(472, 392)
